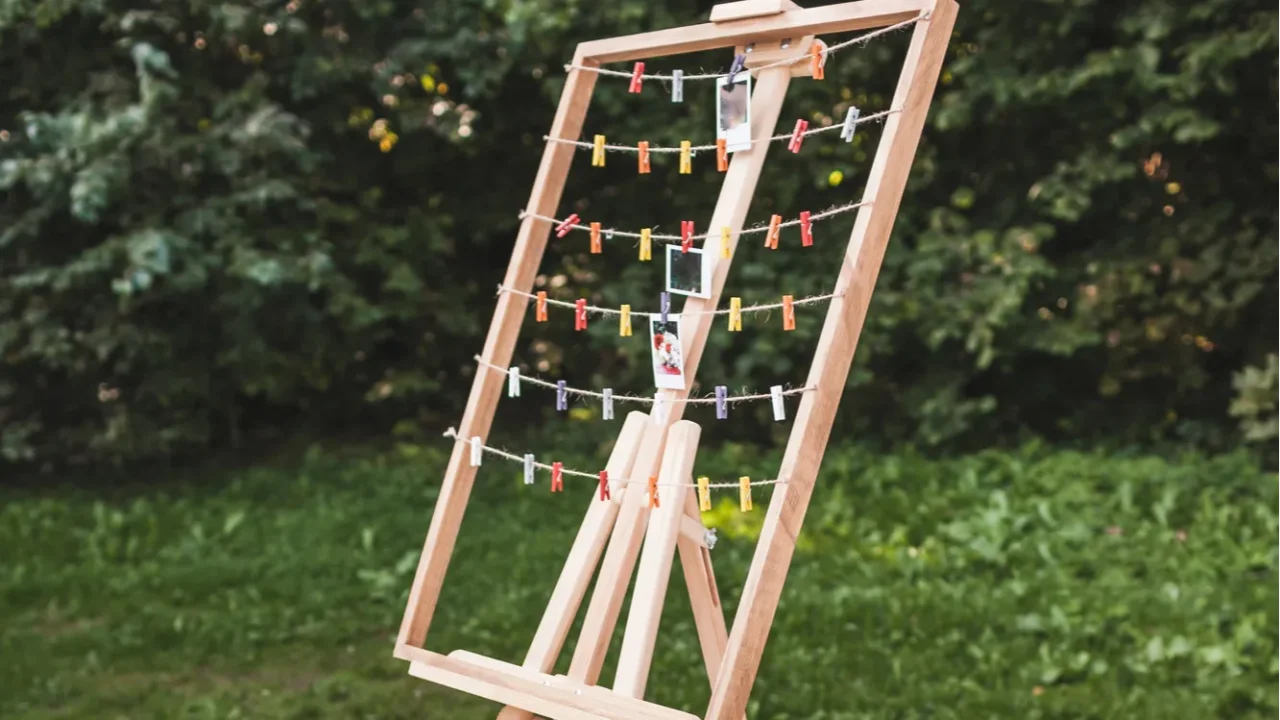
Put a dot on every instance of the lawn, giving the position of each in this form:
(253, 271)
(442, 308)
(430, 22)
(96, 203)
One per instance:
(1029, 584)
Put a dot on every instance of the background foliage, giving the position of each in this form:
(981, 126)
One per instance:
(221, 220)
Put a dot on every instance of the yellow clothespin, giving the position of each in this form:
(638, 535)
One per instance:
(735, 314)
(646, 245)
(597, 152)
(686, 162)
(624, 323)
(724, 241)
(744, 493)
(704, 494)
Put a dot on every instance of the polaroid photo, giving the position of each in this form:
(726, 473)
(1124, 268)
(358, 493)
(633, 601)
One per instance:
(733, 111)
(668, 353)
(688, 273)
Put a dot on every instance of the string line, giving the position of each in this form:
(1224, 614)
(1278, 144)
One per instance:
(758, 228)
(607, 311)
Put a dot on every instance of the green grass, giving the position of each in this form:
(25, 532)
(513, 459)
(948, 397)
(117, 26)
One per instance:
(1030, 585)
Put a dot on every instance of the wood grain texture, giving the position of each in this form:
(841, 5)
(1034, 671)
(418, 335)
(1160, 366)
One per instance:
(832, 360)
(744, 9)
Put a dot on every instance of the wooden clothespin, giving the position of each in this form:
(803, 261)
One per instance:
(724, 242)
(816, 60)
(797, 136)
(528, 469)
(850, 125)
(664, 305)
(557, 477)
(779, 408)
(736, 67)
(597, 151)
(771, 237)
(477, 451)
(604, 485)
(624, 321)
(653, 493)
(580, 314)
(540, 307)
(637, 78)
(686, 160)
(566, 225)
(788, 313)
(606, 406)
(513, 381)
(704, 493)
(562, 396)
(677, 86)
(735, 314)
(659, 412)
(596, 247)
(744, 493)
(643, 151)
(722, 155)
(686, 235)
(646, 245)
(806, 229)
(722, 402)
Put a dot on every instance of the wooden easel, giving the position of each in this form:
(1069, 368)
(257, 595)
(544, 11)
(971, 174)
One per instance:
(775, 29)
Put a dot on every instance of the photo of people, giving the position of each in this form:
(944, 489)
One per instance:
(668, 354)
(733, 111)
(687, 272)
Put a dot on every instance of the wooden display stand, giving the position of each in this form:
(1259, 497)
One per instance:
(774, 30)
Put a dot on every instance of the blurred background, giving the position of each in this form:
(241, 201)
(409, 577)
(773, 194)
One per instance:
(248, 250)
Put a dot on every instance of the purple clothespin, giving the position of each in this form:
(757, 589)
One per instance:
(664, 303)
(736, 67)
(722, 407)
(562, 397)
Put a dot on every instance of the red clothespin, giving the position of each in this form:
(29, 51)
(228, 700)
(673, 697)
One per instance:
(557, 477)
(604, 485)
(797, 135)
(771, 237)
(816, 61)
(564, 227)
(653, 492)
(806, 229)
(637, 77)
(580, 314)
(788, 313)
(595, 238)
(722, 155)
(686, 235)
(540, 309)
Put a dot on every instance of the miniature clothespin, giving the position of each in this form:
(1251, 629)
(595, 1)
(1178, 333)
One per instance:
(646, 244)
(562, 397)
(653, 492)
(735, 314)
(513, 382)
(724, 241)
(722, 402)
(597, 151)
(704, 494)
(722, 155)
(624, 321)
(806, 229)
(606, 408)
(659, 411)
(566, 225)
(736, 67)
(686, 235)
(643, 151)
(779, 408)
(816, 60)
(557, 477)
(797, 136)
(637, 78)
(596, 248)
(771, 237)
(604, 485)
(850, 124)
(686, 162)
(540, 307)
(744, 493)
(677, 86)
(664, 306)
(580, 314)
(788, 313)
(528, 468)
(477, 451)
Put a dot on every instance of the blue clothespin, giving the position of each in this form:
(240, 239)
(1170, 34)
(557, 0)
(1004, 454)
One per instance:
(664, 304)
(722, 407)
(850, 122)
(562, 397)
(736, 67)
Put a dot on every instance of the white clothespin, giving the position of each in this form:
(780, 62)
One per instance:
(513, 381)
(528, 468)
(677, 86)
(850, 123)
(607, 412)
(477, 451)
(659, 412)
(779, 409)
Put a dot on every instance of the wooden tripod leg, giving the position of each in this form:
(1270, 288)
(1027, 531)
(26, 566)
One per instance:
(655, 562)
(704, 597)
(565, 599)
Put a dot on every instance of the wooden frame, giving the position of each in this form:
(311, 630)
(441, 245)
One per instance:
(732, 659)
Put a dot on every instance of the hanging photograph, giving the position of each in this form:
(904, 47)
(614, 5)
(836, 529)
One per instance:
(668, 353)
(733, 111)
(688, 273)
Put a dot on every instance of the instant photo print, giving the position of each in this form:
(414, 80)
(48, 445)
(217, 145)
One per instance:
(688, 273)
(733, 111)
(667, 348)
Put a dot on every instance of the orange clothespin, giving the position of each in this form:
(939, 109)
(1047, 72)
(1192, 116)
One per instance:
(540, 308)
(637, 77)
(686, 235)
(724, 241)
(643, 148)
(744, 493)
(788, 313)
(806, 230)
(704, 494)
(646, 244)
(775, 227)
(604, 485)
(580, 314)
(816, 61)
(557, 477)
(686, 159)
(566, 225)
(653, 492)
(595, 238)
(735, 314)
(797, 136)
(722, 155)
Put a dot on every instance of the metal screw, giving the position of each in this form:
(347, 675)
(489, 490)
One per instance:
(750, 47)
(786, 43)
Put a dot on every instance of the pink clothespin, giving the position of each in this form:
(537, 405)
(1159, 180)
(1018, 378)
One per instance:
(564, 227)
(580, 314)
(797, 135)
(806, 229)
(637, 77)
(686, 235)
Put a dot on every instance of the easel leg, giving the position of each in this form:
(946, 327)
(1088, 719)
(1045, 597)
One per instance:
(704, 597)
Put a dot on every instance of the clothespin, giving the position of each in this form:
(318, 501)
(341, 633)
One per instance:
(595, 239)
(624, 321)
(604, 485)
(580, 314)
(779, 409)
(646, 244)
(686, 235)
(528, 468)
(653, 492)
(797, 136)
(775, 227)
(540, 308)
(724, 241)
(557, 477)
(659, 411)
(816, 61)
(736, 67)
(643, 148)
(850, 124)
(806, 229)
(513, 381)
(722, 402)
(686, 162)
(788, 313)
(677, 86)
(562, 397)
(597, 152)
(735, 314)
(722, 155)
(744, 493)
(606, 410)
(704, 493)
(564, 227)
(477, 451)
(637, 78)
(664, 305)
